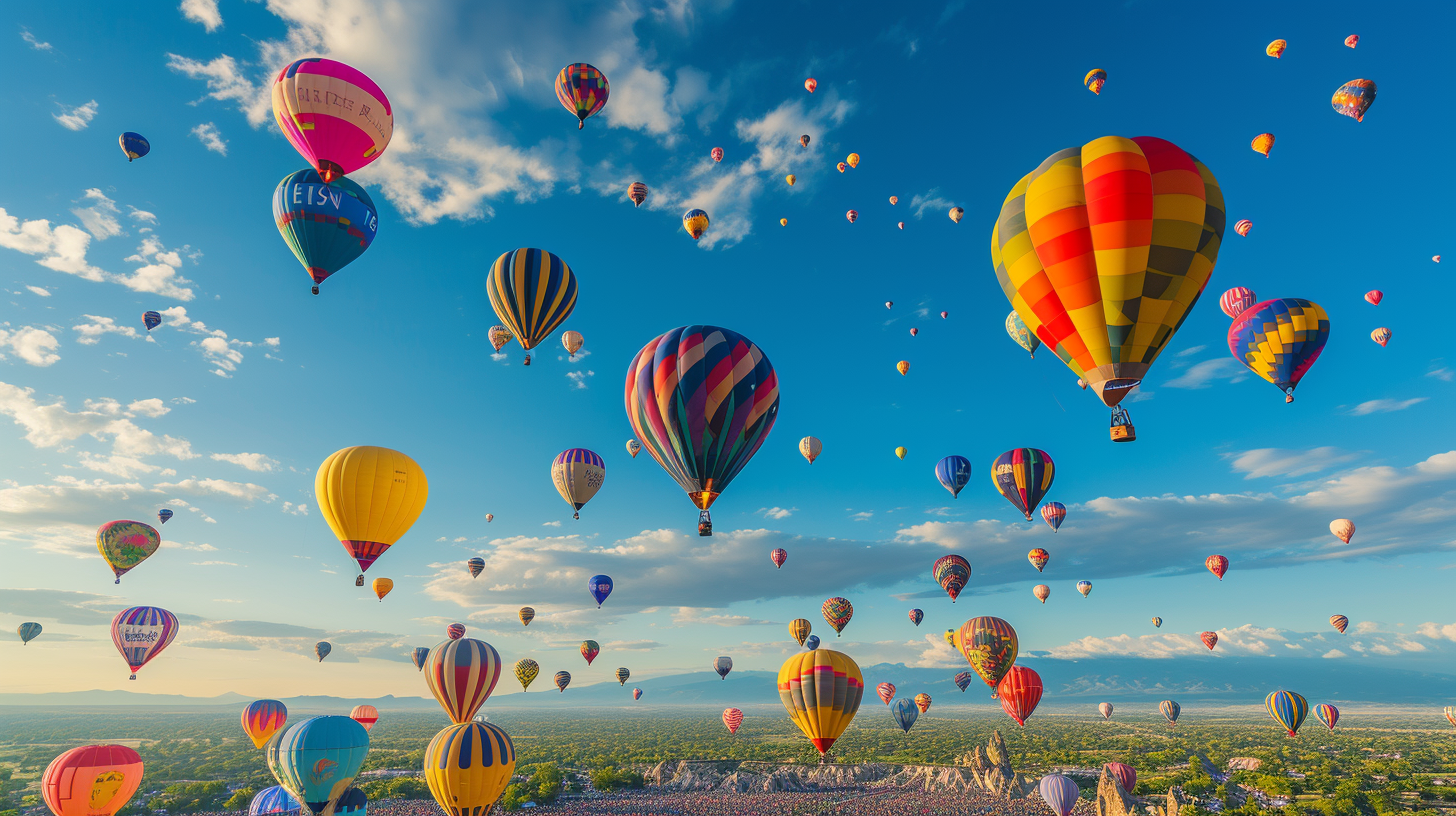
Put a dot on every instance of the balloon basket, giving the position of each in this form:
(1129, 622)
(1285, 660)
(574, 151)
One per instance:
(1123, 433)
(705, 524)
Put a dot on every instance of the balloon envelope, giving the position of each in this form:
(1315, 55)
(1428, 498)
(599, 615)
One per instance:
(583, 90)
(370, 497)
(989, 645)
(419, 656)
(799, 629)
(1327, 714)
(951, 572)
(562, 679)
(1288, 709)
(916, 616)
(125, 544)
(1170, 710)
(526, 671)
(963, 679)
(326, 225)
(1053, 513)
(1236, 300)
(262, 719)
(1105, 709)
(316, 759)
(1279, 340)
(134, 145)
(589, 650)
(1059, 792)
(1019, 691)
(922, 702)
(1339, 622)
(722, 665)
(695, 222)
(886, 692)
(1021, 335)
(28, 631)
(93, 780)
(732, 718)
(837, 612)
(1023, 476)
(904, 713)
(1354, 98)
(461, 674)
(332, 114)
(532, 292)
(273, 801)
(600, 586)
(810, 447)
(468, 765)
(1126, 775)
(152, 320)
(954, 473)
(322, 649)
(1216, 564)
(365, 715)
(821, 690)
(578, 474)
(141, 633)
(812, 643)
(476, 565)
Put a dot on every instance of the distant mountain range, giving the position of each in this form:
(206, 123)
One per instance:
(1069, 683)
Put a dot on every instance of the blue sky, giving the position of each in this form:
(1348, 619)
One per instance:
(226, 410)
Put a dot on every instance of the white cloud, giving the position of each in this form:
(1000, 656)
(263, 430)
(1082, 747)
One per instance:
(1379, 484)
(34, 43)
(211, 138)
(226, 83)
(36, 347)
(99, 219)
(578, 379)
(220, 351)
(932, 201)
(39, 291)
(245, 491)
(776, 513)
(1188, 352)
(1384, 406)
(1202, 375)
(90, 333)
(203, 12)
(295, 509)
(76, 118)
(256, 462)
(1262, 462)
(142, 215)
(1442, 373)
(1334, 653)
(106, 420)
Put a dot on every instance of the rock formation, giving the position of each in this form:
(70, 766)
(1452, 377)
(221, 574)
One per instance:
(992, 770)
(1112, 800)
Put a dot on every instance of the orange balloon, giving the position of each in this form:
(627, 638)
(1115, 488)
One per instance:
(93, 780)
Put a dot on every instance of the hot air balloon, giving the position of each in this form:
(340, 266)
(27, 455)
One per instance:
(916, 616)
(1354, 98)
(637, 192)
(532, 292)
(455, 631)
(1352, 41)
(476, 565)
(134, 145)
(1216, 564)
(1042, 592)
(327, 225)
(702, 399)
(589, 650)
(886, 692)
(499, 336)
(316, 760)
(695, 222)
(1157, 622)
(956, 213)
(951, 572)
(1436, 258)
(1381, 336)
(1236, 300)
(852, 215)
(722, 665)
(600, 586)
(1450, 712)
(633, 448)
(93, 780)
(636, 694)
(1018, 332)
(262, 719)
(1343, 529)
(1125, 775)
(904, 713)
(804, 140)
(1210, 639)
(1374, 296)
(1105, 709)
(1094, 80)
(321, 650)
(274, 801)
(809, 448)
(562, 679)
(716, 154)
(778, 556)
(894, 200)
(578, 474)
(125, 544)
(922, 702)
(526, 671)
(1327, 714)
(1053, 513)
(419, 656)
(790, 178)
(151, 320)
(852, 160)
(950, 636)
(900, 452)
(841, 167)
(365, 715)
(527, 614)
(810, 84)
(812, 643)
(622, 675)
(467, 767)
(1170, 710)
(1023, 476)
(1243, 226)
(1279, 340)
(352, 802)
(572, 341)
(333, 115)
(1274, 49)
(381, 587)
(1263, 143)
(989, 645)
(1039, 557)
(900, 224)
(28, 631)
(821, 690)
(1339, 622)
(1056, 270)
(838, 611)
(141, 633)
(1084, 587)
(914, 332)
(954, 473)
(903, 367)
(583, 90)
(1288, 709)
(370, 497)
(1059, 792)
(783, 222)
(963, 680)
(732, 718)
(799, 629)
(461, 674)
(1020, 691)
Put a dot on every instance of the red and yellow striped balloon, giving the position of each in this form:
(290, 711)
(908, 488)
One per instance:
(462, 673)
(821, 690)
(262, 719)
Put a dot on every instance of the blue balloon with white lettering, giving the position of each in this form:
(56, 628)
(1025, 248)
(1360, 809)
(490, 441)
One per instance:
(954, 473)
(600, 587)
(326, 225)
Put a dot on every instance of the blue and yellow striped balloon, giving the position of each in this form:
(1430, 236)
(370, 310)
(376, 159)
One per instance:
(467, 766)
(1279, 340)
(532, 292)
(1288, 709)
(1170, 710)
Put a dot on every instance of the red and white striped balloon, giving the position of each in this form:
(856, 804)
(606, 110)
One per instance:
(1236, 300)
(732, 718)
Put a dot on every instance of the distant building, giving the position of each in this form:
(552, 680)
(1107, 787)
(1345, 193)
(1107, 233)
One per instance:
(1245, 763)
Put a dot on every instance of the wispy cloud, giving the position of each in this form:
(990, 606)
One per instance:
(776, 512)
(34, 43)
(77, 118)
(203, 12)
(932, 201)
(1204, 374)
(1262, 462)
(211, 138)
(579, 378)
(34, 346)
(1384, 406)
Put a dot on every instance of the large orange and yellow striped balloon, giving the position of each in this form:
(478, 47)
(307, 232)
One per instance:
(467, 766)
(1103, 249)
(821, 690)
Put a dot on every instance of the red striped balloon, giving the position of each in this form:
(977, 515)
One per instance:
(1126, 774)
(886, 692)
(1019, 691)
(1236, 300)
(462, 674)
(262, 719)
(732, 718)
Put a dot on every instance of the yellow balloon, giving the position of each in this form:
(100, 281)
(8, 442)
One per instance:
(799, 629)
(572, 341)
(783, 222)
(821, 690)
(382, 586)
(790, 179)
(370, 497)
(853, 160)
(526, 671)
(467, 766)
(902, 367)
(900, 451)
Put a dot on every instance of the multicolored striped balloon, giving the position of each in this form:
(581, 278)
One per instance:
(623, 675)
(916, 616)
(1354, 98)
(951, 572)
(1340, 622)
(922, 702)
(990, 646)
(1094, 80)
(1288, 709)
(1053, 513)
(1023, 476)
(326, 225)
(1279, 340)
(1234, 301)
(589, 650)
(702, 400)
(583, 90)
(1103, 249)
(837, 612)
(467, 766)
(695, 222)
(578, 474)
(563, 679)
(963, 680)
(262, 719)
(141, 633)
(532, 292)
(1170, 711)
(1327, 714)
(332, 114)
(274, 801)
(462, 674)
(886, 692)
(821, 690)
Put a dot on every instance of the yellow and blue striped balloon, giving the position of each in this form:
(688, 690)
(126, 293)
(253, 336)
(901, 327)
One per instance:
(532, 292)
(467, 766)
(1288, 709)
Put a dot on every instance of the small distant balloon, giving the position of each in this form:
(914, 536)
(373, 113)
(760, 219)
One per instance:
(900, 452)
(563, 679)
(1053, 513)
(572, 341)
(499, 336)
(1354, 98)
(321, 649)
(1084, 587)
(722, 665)
(944, 315)
(889, 303)
(804, 140)
(134, 145)
(636, 694)
(1243, 226)
(1374, 296)
(852, 160)
(954, 473)
(637, 191)
(623, 675)
(922, 702)
(455, 631)
(852, 216)
(489, 517)
(1217, 564)
(1018, 332)
(1339, 622)
(1381, 336)
(963, 680)
(1105, 709)
(904, 713)
(1094, 80)
(583, 90)
(1038, 558)
(1210, 639)
(1042, 592)
(812, 643)
(695, 222)
(810, 84)
(600, 586)
(1170, 711)
(28, 631)
(1236, 300)
(914, 332)
(526, 671)
(589, 650)
(956, 213)
(1274, 49)
(894, 200)
(778, 557)
(903, 367)
(790, 178)
(382, 587)
(151, 320)
(717, 154)
(1263, 143)
(886, 692)
(837, 612)
(164, 515)
(418, 656)
(916, 616)
(1343, 529)
(900, 224)
(1352, 41)
(783, 222)
(526, 614)
(633, 448)
(732, 718)
(1157, 622)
